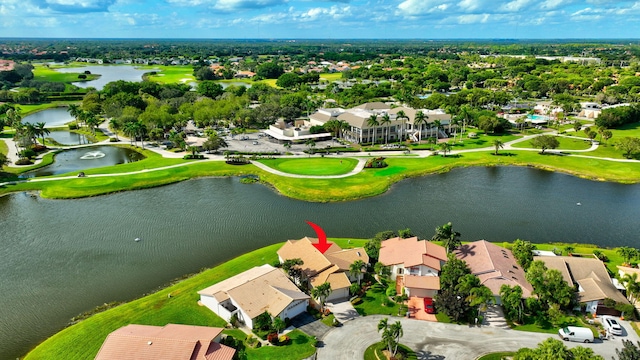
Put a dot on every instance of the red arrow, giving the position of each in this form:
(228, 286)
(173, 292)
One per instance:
(322, 244)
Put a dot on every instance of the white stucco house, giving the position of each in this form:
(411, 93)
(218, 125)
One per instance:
(415, 265)
(251, 293)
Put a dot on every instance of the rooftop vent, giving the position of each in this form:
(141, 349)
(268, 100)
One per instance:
(149, 342)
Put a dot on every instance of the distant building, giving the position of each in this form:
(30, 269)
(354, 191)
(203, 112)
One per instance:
(7, 65)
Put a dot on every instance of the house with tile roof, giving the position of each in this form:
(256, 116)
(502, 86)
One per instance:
(494, 266)
(591, 277)
(251, 293)
(415, 265)
(170, 342)
(332, 266)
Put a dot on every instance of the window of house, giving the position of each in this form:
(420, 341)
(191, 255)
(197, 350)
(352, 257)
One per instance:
(400, 271)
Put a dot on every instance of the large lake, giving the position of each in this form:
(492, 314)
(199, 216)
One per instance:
(108, 74)
(63, 257)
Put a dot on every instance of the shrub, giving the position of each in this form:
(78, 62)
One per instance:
(193, 157)
(376, 163)
(73, 126)
(356, 301)
(628, 310)
(28, 153)
(284, 340)
(82, 76)
(113, 139)
(391, 291)
(24, 161)
(273, 338)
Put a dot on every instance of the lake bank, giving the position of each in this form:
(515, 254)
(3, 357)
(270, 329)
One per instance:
(367, 183)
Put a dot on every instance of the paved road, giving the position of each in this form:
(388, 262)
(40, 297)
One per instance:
(442, 341)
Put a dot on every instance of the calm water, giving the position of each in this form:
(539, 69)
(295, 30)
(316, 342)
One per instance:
(108, 74)
(63, 257)
(86, 158)
(235, 83)
(52, 117)
(69, 138)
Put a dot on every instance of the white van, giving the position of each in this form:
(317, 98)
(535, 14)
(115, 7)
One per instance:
(578, 334)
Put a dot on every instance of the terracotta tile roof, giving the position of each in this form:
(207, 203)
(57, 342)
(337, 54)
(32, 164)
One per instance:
(422, 282)
(589, 273)
(411, 252)
(263, 288)
(494, 266)
(171, 342)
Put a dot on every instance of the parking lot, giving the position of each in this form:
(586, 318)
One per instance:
(258, 142)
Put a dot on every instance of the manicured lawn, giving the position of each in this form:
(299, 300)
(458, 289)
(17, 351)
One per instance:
(312, 166)
(170, 74)
(302, 346)
(546, 327)
(374, 352)
(32, 108)
(373, 302)
(331, 77)
(83, 340)
(43, 73)
(482, 141)
(565, 144)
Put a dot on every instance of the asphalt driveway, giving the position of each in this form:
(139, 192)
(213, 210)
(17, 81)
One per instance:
(443, 341)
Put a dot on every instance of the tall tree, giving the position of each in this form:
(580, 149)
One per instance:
(629, 351)
(356, 268)
(419, 121)
(450, 239)
(321, 293)
(373, 122)
(628, 254)
(523, 252)
(497, 145)
(386, 120)
(511, 298)
(401, 115)
(42, 130)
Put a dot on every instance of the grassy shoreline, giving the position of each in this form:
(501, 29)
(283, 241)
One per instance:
(158, 308)
(368, 183)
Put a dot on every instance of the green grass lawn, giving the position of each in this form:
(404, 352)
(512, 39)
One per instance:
(28, 109)
(170, 74)
(312, 166)
(546, 327)
(369, 182)
(565, 144)
(331, 77)
(373, 302)
(43, 73)
(374, 352)
(83, 340)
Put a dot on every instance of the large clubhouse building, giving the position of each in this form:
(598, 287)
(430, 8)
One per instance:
(389, 125)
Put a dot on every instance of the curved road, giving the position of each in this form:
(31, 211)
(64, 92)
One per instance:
(435, 341)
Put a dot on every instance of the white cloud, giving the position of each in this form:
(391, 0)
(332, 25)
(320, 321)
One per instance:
(473, 18)
(421, 7)
(515, 5)
(231, 5)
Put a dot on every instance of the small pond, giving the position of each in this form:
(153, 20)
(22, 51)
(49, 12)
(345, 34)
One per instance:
(86, 158)
(52, 117)
(68, 138)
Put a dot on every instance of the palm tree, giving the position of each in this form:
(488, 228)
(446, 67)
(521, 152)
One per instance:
(386, 120)
(321, 293)
(287, 146)
(419, 120)
(630, 282)
(445, 147)
(115, 126)
(401, 115)
(451, 239)
(356, 268)
(42, 131)
(373, 122)
(466, 114)
(92, 121)
(75, 111)
(628, 253)
(497, 144)
(310, 144)
(438, 126)
(130, 129)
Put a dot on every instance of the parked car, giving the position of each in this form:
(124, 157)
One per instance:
(611, 325)
(578, 334)
(428, 306)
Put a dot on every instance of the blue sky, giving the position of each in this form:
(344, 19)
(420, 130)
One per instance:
(334, 19)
